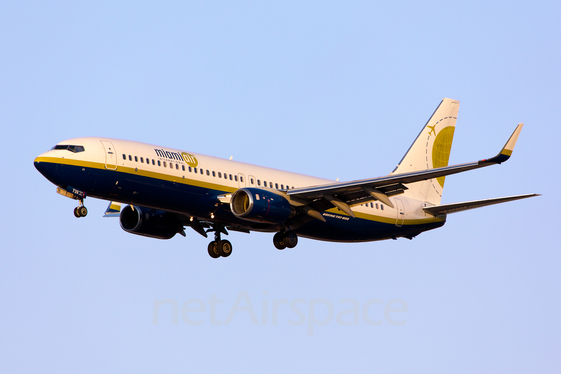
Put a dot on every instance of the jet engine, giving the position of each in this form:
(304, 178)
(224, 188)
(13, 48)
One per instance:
(143, 221)
(254, 204)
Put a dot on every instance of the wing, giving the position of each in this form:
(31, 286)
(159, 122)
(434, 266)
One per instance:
(460, 207)
(346, 194)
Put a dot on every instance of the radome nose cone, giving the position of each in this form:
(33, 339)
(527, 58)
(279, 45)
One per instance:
(37, 165)
(46, 168)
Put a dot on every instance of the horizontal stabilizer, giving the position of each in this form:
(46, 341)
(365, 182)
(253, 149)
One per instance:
(113, 210)
(459, 207)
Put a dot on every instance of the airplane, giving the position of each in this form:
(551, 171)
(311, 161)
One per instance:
(164, 190)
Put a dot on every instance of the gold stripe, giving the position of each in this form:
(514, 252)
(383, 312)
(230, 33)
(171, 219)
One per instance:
(506, 152)
(389, 220)
(144, 173)
(215, 186)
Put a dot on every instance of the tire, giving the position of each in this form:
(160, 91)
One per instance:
(291, 240)
(83, 211)
(224, 248)
(77, 212)
(213, 249)
(278, 241)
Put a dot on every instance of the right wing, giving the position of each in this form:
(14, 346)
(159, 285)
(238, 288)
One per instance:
(346, 194)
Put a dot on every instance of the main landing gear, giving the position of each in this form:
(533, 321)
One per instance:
(283, 240)
(217, 247)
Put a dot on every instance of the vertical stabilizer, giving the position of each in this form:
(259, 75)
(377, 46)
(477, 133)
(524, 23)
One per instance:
(431, 150)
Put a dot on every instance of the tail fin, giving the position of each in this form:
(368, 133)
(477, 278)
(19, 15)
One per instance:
(431, 150)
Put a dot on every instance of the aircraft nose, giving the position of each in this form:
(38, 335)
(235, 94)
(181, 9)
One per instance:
(48, 169)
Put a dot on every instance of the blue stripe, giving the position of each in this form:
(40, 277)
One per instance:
(200, 202)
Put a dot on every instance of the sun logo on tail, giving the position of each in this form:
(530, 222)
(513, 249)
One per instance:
(432, 130)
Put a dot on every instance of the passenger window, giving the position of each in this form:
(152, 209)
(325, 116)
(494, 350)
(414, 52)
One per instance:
(153, 163)
(142, 160)
(201, 170)
(195, 170)
(207, 172)
(236, 178)
(176, 166)
(135, 159)
(241, 179)
(230, 176)
(171, 165)
(159, 163)
(282, 187)
(382, 206)
(183, 167)
(251, 180)
(130, 158)
(271, 184)
(259, 182)
(189, 169)
(219, 175)
(124, 157)
(265, 184)
(225, 176)
(277, 186)
(165, 164)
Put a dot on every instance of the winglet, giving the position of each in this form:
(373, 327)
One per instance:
(506, 152)
(509, 146)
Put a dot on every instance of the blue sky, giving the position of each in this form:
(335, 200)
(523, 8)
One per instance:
(322, 88)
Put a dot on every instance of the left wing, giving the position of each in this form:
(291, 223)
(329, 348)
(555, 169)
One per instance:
(346, 194)
(460, 207)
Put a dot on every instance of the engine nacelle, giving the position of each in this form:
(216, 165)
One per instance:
(254, 204)
(157, 224)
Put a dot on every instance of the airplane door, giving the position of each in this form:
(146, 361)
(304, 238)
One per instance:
(110, 155)
(400, 213)
(241, 180)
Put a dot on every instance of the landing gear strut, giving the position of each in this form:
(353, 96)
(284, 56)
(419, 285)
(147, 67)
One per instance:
(217, 247)
(283, 240)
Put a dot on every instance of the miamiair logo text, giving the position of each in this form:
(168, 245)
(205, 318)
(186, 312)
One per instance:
(189, 159)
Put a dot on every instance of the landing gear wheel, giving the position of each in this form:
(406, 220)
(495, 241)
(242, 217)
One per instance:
(290, 239)
(80, 211)
(83, 211)
(278, 241)
(224, 248)
(213, 249)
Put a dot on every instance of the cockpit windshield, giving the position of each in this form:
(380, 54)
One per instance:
(71, 148)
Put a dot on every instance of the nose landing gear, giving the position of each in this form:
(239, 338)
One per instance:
(80, 211)
(73, 193)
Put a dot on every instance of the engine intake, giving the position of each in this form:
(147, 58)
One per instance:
(157, 224)
(254, 204)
